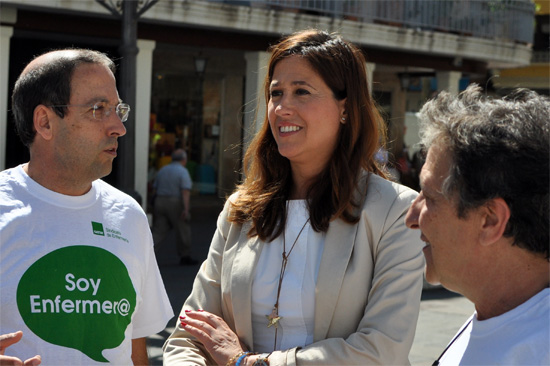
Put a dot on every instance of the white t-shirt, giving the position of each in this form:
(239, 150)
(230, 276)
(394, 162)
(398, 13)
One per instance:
(297, 299)
(78, 274)
(518, 337)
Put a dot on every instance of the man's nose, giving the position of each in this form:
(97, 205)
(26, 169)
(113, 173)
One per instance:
(116, 125)
(411, 220)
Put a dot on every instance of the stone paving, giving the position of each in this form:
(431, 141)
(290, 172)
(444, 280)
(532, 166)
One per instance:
(441, 312)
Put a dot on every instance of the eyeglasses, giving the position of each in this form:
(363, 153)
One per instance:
(102, 110)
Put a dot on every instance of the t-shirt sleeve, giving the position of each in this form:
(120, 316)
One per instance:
(154, 310)
(187, 183)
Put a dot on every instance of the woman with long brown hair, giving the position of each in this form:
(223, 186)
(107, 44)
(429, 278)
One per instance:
(311, 262)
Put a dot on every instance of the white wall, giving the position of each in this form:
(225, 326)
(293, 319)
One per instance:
(411, 135)
(5, 35)
(144, 74)
(256, 70)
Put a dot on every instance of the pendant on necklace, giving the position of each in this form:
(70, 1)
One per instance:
(273, 318)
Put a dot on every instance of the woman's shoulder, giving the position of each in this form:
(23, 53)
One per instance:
(380, 190)
(228, 206)
(233, 197)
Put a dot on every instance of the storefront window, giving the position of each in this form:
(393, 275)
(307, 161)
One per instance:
(185, 113)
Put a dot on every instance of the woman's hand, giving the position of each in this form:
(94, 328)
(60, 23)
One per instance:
(214, 333)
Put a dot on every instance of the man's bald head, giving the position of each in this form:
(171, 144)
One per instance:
(179, 155)
(47, 80)
(50, 57)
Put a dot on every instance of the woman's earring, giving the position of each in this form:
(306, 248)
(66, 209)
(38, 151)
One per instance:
(343, 120)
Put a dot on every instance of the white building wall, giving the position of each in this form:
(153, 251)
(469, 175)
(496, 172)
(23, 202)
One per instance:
(255, 108)
(448, 81)
(5, 35)
(258, 19)
(144, 74)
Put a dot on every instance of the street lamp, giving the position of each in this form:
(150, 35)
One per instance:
(200, 65)
(405, 80)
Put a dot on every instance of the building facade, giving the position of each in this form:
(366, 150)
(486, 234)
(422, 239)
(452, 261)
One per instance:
(201, 65)
(536, 75)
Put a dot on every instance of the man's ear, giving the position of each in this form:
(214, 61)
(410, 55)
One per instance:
(42, 118)
(496, 215)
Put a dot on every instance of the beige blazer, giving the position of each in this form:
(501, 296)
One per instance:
(367, 296)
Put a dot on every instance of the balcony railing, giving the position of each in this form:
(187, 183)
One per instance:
(540, 57)
(503, 19)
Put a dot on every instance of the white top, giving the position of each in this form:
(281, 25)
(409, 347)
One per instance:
(79, 274)
(367, 292)
(297, 299)
(519, 337)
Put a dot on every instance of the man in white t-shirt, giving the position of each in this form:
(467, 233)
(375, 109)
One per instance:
(79, 275)
(484, 214)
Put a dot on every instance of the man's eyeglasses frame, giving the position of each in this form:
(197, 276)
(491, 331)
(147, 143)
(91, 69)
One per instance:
(121, 109)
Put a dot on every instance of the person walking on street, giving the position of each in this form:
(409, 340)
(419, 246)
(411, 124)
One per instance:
(171, 209)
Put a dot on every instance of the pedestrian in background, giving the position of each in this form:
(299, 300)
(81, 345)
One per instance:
(311, 262)
(484, 214)
(171, 209)
(79, 274)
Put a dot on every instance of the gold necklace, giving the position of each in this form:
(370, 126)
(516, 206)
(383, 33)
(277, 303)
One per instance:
(273, 318)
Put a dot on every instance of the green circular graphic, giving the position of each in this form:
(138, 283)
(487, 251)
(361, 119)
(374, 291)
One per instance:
(79, 297)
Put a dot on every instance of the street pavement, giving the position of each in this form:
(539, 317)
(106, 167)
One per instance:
(441, 312)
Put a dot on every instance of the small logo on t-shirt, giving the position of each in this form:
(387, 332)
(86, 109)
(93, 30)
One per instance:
(97, 227)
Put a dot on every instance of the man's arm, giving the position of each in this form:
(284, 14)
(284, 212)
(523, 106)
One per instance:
(139, 352)
(186, 194)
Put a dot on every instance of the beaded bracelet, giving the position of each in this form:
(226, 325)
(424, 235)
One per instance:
(238, 355)
(242, 357)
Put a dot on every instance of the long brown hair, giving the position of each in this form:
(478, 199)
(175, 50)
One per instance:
(268, 178)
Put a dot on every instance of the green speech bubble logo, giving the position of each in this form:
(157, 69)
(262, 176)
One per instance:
(79, 297)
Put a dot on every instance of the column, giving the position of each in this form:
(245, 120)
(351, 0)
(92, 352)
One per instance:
(448, 80)
(255, 107)
(142, 109)
(370, 67)
(5, 36)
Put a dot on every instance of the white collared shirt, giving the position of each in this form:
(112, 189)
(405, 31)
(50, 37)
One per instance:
(297, 298)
